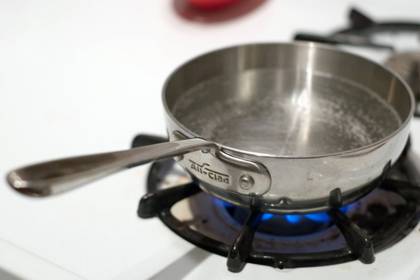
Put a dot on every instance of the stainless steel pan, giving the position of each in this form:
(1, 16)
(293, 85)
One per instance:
(283, 124)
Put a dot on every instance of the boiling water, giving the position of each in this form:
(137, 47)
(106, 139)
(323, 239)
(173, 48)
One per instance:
(286, 113)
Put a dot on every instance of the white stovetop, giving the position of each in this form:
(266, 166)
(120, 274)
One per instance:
(85, 76)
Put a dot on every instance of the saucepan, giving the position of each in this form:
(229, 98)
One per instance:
(280, 124)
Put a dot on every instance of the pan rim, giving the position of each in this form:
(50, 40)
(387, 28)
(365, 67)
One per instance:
(344, 153)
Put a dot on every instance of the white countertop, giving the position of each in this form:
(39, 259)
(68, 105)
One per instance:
(85, 76)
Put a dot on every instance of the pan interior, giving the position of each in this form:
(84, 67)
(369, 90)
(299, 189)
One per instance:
(286, 112)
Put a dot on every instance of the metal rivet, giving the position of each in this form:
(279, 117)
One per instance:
(179, 158)
(246, 182)
(284, 201)
(205, 150)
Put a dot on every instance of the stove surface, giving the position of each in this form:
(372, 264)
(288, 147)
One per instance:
(80, 78)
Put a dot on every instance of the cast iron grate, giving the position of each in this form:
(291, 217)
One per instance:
(361, 31)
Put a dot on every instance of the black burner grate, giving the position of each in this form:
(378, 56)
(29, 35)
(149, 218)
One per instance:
(362, 236)
(362, 30)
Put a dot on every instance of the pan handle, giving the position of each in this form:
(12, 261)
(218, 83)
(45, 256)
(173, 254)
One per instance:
(57, 176)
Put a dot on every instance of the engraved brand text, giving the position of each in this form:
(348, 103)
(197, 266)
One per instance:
(205, 170)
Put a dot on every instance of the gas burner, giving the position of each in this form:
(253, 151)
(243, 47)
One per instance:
(344, 233)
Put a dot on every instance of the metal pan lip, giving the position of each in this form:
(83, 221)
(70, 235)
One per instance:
(345, 153)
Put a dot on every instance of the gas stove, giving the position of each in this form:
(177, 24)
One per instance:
(375, 221)
(86, 78)
(382, 215)
(356, 231)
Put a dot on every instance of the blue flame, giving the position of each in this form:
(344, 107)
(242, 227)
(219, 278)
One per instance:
(346, 208)
(223, 203)
(293, 219)
(267, 216)
(321, 217)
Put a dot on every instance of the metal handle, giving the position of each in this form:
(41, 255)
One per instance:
(52, 177)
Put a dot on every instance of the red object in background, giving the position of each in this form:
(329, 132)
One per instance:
(212, 4)
(212, 11)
